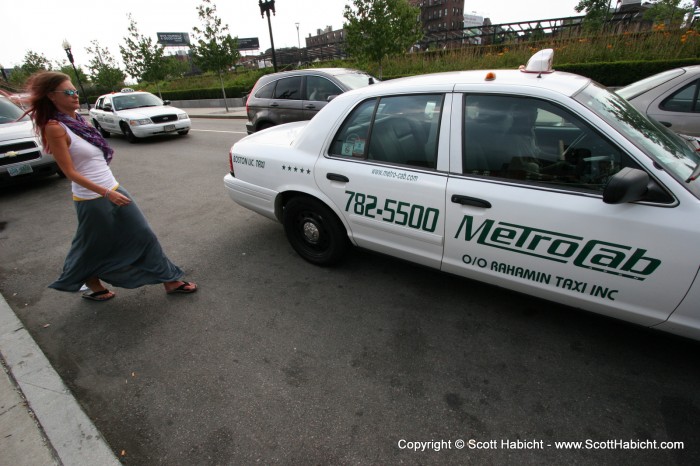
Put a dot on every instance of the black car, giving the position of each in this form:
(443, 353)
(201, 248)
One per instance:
(298, 95)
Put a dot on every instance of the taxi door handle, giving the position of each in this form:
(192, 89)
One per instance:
(336, 177)
(665, 123)
(310, 106)
(466, 200)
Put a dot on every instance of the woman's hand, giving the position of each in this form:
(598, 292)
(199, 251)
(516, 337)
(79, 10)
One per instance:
(117, 198)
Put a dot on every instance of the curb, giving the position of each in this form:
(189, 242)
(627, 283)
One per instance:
(71, 434)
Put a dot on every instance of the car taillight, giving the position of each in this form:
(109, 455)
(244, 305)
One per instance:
(230, 161)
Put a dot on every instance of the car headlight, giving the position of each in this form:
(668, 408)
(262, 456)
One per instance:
(183, 116)
(143, 121)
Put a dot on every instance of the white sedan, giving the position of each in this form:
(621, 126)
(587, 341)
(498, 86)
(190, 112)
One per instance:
(538, 181)
(671, 97)
(137, 115)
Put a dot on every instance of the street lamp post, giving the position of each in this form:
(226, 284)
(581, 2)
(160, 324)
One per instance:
(265, 7)
(298, 43)
(66, 47)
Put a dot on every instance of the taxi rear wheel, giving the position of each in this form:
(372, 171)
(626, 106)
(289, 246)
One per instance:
(314, 231)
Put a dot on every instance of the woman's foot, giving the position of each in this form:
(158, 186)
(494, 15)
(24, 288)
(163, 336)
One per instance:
(180, 287)
(101, 295)
(97, 292)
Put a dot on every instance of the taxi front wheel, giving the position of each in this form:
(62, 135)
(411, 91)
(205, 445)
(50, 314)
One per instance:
(314, 231)
(105, 134)
(128, 134)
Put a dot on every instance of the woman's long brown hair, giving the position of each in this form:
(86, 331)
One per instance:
(41, 109)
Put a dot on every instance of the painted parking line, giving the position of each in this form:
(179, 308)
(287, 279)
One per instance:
(217, 131)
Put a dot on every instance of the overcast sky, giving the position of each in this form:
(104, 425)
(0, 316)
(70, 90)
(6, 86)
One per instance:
(41, 25)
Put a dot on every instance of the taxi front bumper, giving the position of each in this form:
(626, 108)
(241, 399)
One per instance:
(151, 129)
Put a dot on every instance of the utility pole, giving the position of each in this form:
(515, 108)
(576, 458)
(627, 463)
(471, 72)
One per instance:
(265, 7)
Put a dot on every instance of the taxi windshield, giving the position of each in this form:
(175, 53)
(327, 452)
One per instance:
(124, 102)
(664, 147)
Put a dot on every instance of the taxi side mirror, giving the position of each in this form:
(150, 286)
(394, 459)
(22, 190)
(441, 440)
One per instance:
(107, 107)
(627, 185)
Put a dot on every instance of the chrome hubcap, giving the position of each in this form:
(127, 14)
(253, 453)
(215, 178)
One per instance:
(311, 232)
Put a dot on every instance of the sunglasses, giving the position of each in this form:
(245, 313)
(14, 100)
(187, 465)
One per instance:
(68, 92)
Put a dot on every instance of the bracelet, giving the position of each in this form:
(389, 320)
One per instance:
(106, 194)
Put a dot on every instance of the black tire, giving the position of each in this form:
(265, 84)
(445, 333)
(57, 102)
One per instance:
(105, 134)
(314, 231)
(265, 125)
(183, 132)
(128, 134)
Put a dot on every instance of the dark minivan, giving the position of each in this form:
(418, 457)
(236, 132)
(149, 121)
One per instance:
(298, 95)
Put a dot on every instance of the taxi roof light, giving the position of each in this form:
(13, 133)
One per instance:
(540, 62)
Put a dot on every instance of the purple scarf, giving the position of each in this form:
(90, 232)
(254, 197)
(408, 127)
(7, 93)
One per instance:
(80, 127)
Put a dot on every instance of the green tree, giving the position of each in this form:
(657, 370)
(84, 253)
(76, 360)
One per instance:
(376, 29)
(214, 49)
(33, 62)
(104, 71)
(597, 13)
(668, 12)
(143, 60)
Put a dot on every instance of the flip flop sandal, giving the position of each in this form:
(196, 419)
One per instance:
(183, 288)
(98, 295)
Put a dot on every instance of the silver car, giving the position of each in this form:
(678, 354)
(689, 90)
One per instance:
(21, 154)
(298, 95)
(670, 97)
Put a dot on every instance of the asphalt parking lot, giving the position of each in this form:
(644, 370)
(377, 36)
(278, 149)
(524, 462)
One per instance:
(278, 361)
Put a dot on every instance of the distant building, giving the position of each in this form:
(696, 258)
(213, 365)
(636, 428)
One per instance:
(326, 44)
(473, 20)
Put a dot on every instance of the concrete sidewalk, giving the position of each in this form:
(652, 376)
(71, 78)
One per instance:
(41, 423)
(217, 112)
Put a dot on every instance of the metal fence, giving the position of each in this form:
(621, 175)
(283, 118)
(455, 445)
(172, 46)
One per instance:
(489, 34)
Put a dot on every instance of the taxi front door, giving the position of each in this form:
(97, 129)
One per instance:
(530, 227)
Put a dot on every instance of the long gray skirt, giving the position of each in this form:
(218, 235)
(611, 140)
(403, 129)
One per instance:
(117, 245)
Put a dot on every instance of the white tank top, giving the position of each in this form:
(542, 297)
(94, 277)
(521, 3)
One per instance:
(89, 161)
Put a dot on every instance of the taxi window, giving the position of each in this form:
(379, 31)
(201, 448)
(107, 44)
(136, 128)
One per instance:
(685, 100)
(351, 140)
(528, 139)
(288, 88)
(399, 130)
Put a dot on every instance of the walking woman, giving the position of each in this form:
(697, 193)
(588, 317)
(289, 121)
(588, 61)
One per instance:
(114, 243)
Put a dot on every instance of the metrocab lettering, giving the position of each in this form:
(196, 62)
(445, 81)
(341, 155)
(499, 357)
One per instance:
(602, 256)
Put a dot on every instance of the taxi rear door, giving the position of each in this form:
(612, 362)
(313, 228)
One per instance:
(383, 174)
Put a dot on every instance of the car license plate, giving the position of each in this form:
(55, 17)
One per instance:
(169, 127)
(20, 169)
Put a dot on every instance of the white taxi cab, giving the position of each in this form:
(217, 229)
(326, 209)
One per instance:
(137, 115)
(535, 180)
